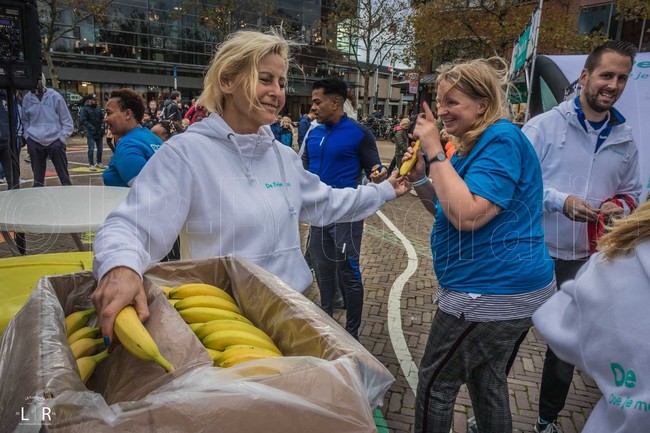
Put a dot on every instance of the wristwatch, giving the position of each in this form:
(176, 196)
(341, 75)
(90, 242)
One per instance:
(440, 156)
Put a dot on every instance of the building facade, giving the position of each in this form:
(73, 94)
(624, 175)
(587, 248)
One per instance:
(156, 46)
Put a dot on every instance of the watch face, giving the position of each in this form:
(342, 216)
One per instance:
(441, 156)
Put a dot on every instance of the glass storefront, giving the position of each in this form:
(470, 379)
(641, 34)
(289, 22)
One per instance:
(140, 43)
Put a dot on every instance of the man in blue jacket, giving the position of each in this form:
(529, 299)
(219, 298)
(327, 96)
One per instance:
(304, 124)
(337, 150)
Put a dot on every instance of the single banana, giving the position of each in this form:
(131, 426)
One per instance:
(207, 301)
(241, 350)
(85, 332)
(198, 289)
(224, 325)
(408, 164)
(136, 339)
(219, 340)
(88, 364)
(195, 326)
(215, 355)
(86, 347)
(242, 358)
(167, 290)
(77, 320)
(206, 314)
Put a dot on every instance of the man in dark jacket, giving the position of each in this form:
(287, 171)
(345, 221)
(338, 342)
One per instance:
(337, 150)
(304, 124)
(92, 119)
(171, 110)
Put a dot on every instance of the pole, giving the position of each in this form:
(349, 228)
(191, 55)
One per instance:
(534, 57)
(375, 102)
(13, 174)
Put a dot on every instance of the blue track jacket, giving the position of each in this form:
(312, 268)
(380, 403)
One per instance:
(338, 152)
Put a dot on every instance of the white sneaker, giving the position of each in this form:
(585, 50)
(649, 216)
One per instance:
(92, 168)
(100, 165)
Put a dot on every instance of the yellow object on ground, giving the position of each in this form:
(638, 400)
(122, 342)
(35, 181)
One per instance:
(20, 275)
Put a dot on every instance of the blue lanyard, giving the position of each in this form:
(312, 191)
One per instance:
(583, 121)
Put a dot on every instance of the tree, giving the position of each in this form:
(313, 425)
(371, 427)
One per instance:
(450, 29)
(371, 32)
(632, 10)
(227, 16)
(55, 27)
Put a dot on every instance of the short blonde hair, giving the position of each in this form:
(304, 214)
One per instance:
(626, 233)
(405, 122)
(237, 60)
(287, 120)
(478, 79)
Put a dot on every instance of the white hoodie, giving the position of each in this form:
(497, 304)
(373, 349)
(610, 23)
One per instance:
(570, 167)
(227, 194)
(599, 322)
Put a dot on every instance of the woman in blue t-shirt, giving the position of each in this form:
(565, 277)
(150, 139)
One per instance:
(492, 266)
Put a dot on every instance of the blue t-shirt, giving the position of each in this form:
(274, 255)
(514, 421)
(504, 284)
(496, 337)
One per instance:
(131, 154)
(507, 255)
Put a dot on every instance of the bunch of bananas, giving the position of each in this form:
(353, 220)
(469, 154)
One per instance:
(213, 315)
(84, 342)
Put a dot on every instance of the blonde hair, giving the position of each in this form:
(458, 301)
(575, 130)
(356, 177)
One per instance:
(236, 60)
(405, 122)
(286, 120)
(478, 79)
(626, 233)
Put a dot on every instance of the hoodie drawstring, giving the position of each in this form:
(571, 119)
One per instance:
(283, 176)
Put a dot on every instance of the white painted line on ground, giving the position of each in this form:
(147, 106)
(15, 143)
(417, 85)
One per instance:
(395, 332)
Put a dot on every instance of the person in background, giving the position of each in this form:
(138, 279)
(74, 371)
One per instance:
(598, 322)
(171, 109)
(152, 112)
(276, 128)
(337, 150)
(492, 267)
(92, 119)
(591, 175)
(401, 141)
(225, 211)
(304, 124)
(124, 112)
(167, 129)
(185, 123)
(350, 105)
(9, 172)
(286, 133)
(47, 124)
(447, 143)
(196, 113)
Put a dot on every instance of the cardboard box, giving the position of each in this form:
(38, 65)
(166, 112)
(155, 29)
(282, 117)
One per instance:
(327, 382)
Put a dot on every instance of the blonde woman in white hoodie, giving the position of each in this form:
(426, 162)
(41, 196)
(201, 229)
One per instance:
(599, 322)
(225, 185)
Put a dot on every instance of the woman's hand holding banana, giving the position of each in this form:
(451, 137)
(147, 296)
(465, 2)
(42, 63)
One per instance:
(428, 141)
(426, 130)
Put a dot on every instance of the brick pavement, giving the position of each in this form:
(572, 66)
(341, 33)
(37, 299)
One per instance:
(383, 259)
